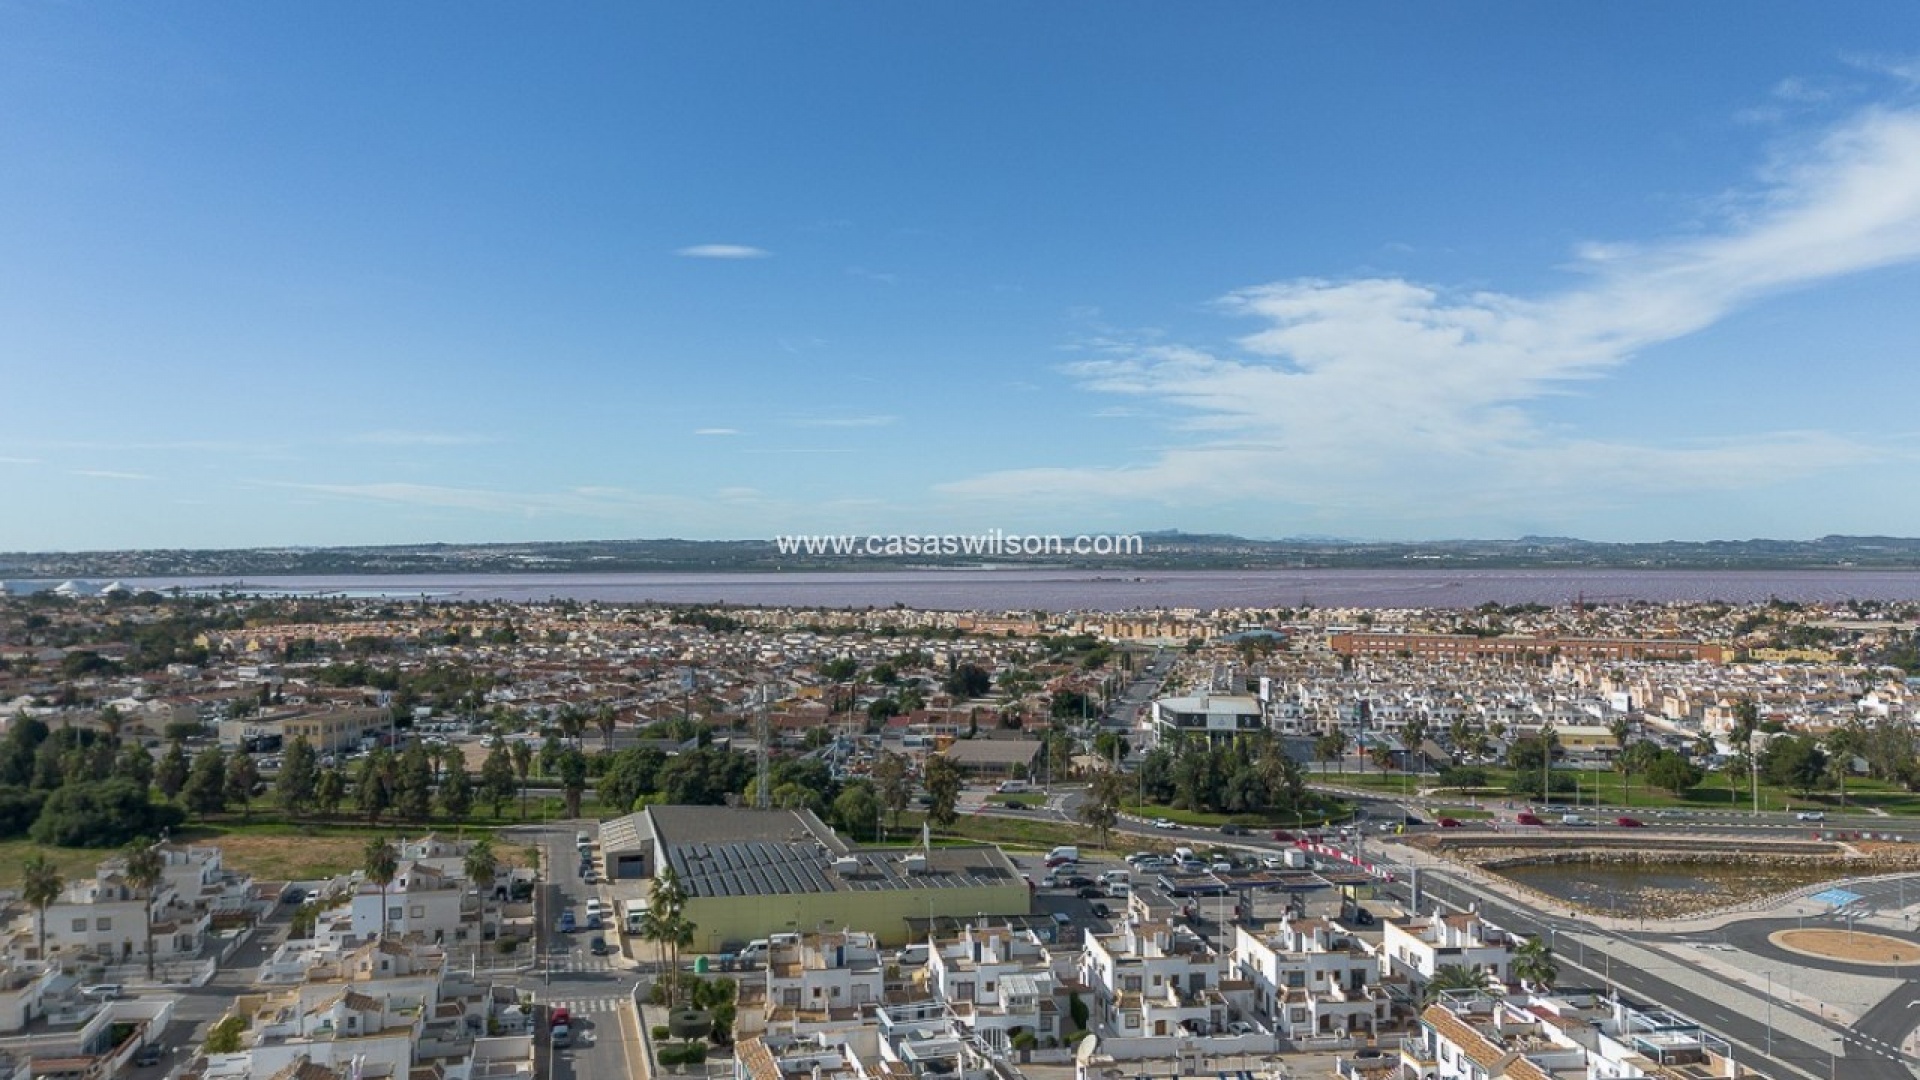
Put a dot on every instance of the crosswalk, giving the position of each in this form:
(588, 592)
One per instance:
(587, 964)
(599, 1006)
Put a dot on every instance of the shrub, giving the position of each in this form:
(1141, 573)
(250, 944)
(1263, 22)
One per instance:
(659, 1033)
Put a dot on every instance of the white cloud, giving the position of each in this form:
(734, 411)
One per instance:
(19, 461)
(1398, 394)
(109, 474)
(716, 431)
(723, 251)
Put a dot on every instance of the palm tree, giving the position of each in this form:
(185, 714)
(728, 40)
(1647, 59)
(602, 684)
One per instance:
(522, 756)
(1454, 977)
(381, 863)
(144, 872)
(40, 887)
(606, 720)
(482, 866)
(1534, 965)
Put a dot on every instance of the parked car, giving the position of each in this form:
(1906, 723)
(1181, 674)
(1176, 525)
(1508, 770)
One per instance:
(566, 924)
(1102, 911)
(1629, 823)
(560, 1017)
(147, 1055)
(562, 1035)
(1079, 881)
(1524, 818)
(599, 947)
(1450, 823)
(593, 921)
(1089, 892)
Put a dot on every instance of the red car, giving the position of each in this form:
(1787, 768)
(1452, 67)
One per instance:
(1283, 835)
(1629, 823)
(559, 1017)
(1450, 823)
(1528, 819)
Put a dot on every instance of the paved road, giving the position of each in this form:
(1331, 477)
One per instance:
(594, 989)
(1742, 1018)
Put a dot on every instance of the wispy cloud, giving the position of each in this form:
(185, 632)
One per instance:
(417, 438)
(1385, 391)
(723, 251)
(109, 474)
(869, 421)
(19, 461)
(716, 431)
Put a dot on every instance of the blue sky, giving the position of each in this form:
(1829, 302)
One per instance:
(374, 273)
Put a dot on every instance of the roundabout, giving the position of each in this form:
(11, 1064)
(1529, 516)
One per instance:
(1848, 946)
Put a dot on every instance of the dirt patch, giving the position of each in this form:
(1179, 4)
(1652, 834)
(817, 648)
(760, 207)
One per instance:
(284, 858)
(1852, 946)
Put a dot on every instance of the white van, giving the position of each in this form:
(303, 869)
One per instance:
(593, 907)
(1064, 853)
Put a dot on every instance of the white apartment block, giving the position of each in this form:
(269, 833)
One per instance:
(1311, 978)
(820, 981)
(995, 980)
(1416, 948)
(1153, 979)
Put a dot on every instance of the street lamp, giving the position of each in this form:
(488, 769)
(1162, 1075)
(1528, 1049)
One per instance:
(1769, 977)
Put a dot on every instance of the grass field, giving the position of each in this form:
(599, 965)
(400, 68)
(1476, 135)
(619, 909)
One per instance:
(267, 851)
(1720, 790)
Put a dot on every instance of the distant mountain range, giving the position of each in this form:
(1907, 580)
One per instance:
(1166, 550)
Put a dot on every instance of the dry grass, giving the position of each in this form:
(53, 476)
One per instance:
(265, 857)
(1853, 946)
(71, 862)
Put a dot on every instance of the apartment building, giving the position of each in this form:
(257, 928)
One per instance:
(1416, 948)
(1155, 979)
(1312, 978)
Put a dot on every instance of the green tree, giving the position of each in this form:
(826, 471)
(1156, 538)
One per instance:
(893, 784)
(456, 790)
(968, 681)
(1672, 772)
(144, 872)
(497, 781)
(206, 789)
(573, 779)
(1796, 762)
(1450, 977)
(666, 924)
(858, 809)
(171, 774)
(134, 764)
(1331, 746)
(481, 865)
(1100, 809)
(329, 791)
(373, 787)
(242, 777)
(381, 863)
(521, 755)
(413, 784)
(299, 773)
(40, 885)
(1534, 965)
(607, 720)
(943, 782)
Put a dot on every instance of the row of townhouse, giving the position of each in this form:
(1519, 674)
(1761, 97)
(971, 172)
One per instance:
(104, 920)
(1477, 1036)
(371, 995)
